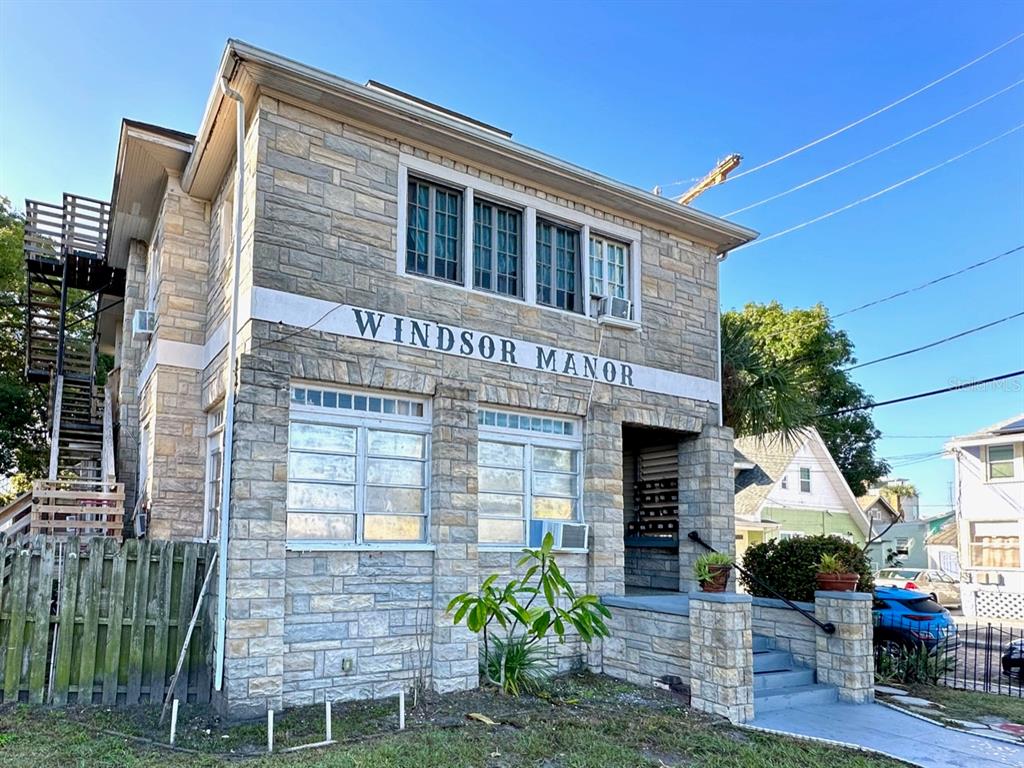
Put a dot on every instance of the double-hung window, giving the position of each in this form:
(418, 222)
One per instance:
(558, 266)
(529, 470)
(805, 479)
(1000, 462)
(357, 467)
(497, 248)
(609, 268)
(433, 245)
(214, 471)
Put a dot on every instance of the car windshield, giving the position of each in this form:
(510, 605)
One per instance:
(922, 605)
(894, 573)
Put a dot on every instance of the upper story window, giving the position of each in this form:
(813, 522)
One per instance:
(609, 269)
(558, 266)
(1000, 462)
(497, 248)
(805, 480)
(432, 245)
(995, 544)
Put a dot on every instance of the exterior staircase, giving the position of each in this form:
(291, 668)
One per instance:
(781, 683)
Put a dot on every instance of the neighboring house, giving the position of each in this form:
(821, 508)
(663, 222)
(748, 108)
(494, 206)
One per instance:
(942, 548)
(448, 345)
(989, 482)
(787, 488)
(903, 544)
(878, 509)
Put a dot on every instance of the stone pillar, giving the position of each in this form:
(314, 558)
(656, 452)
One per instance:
(254, 647)
(602, 501)
(846, 659)
(722, 655)
(706, 494)
(129, 363)
(453, 506)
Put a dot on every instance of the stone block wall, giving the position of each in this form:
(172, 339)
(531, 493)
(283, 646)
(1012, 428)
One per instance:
(721, 655)
(128, 360)
(846, 659)
(646, 645)
(791, 631)
(650, 568)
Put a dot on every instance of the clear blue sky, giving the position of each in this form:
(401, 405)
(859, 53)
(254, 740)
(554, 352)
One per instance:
(649, 94)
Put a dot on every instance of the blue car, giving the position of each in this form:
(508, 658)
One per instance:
(906, 618)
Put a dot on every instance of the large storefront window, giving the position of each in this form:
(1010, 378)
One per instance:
(529, 476)
(357, 467)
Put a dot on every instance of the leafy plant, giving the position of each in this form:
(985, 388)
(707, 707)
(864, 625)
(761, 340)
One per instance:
(515, 618)
(832, 563)
(790, 566)
(702, 566)
(910, 664)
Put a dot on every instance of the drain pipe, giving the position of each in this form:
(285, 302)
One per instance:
(229, 406)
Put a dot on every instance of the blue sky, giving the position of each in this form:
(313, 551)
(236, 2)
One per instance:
(648, 94)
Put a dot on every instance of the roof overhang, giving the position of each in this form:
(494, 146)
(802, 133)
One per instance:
(251, 70)
(146, 154)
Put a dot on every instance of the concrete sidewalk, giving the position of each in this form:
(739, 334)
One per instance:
(886, 730)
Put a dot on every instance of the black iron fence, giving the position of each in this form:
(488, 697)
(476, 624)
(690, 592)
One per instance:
(982, 656)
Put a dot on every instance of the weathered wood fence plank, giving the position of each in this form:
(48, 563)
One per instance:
(66, 624)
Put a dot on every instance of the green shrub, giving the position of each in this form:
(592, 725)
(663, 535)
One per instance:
(910, 664)
(789, 566)
(525, 666)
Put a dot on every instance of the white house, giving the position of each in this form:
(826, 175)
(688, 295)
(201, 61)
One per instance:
(989, 477)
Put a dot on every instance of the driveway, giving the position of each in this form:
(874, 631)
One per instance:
(886, 730)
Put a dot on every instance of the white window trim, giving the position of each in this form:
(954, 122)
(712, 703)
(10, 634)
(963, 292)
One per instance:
(1013, 462)
(214, 432)
(531, 207)
(369, 420)
(993, 568)
(530, 439)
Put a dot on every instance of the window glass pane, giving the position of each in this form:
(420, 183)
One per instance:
(394, 472)
(500, 454)
(320, 466)
(482, 251)
(502, 531)
(559, 459)
(545, 508)
(500, 479)
(548, 483)
(392, 528)
(1000, 453)
(322, 437)
(303, 525)
(545, 233)
(501, 505)
(321, 496)
(407, 501)
(396, 444)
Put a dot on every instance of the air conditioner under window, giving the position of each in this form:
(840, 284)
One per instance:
(613, 306)
(570, 537)
(143, 324)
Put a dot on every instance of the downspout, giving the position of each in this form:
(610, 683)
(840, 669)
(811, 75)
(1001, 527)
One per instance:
(229, 406)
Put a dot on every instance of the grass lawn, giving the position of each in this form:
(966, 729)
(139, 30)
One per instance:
(580, 721)
(968, 705)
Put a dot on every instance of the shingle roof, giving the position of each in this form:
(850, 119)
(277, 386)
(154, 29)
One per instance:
(770, 455)
(946, 535)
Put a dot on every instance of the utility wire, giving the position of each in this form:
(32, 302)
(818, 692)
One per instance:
(857, 122)
(880, 192)
(934, 343)
(876, 153)
(920, 395)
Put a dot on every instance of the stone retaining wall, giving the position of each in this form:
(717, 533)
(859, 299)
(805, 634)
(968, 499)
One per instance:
(652, 568)
(791, 631)
(646, 645)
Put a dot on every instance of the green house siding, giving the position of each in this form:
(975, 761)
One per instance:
(813, 522)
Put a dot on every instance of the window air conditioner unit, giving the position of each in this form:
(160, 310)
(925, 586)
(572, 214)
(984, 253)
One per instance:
(571, 537)
(613, 306)
(143, 323)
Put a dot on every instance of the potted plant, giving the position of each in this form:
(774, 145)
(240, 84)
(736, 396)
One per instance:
(712, 571)
(834, 575)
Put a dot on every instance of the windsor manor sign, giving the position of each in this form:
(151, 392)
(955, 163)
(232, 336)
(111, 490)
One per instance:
(371, 325)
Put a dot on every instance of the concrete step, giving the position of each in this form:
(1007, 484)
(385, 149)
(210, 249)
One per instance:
(763, 643)
(774, 699)
(772, 661)
(785, 678)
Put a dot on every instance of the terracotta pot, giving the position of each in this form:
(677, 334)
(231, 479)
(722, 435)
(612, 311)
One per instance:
(837, 582)
(719, 579)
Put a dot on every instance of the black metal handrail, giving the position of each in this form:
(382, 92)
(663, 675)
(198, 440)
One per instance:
(826, 626)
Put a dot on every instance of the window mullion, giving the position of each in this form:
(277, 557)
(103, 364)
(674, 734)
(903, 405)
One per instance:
(528, 486)
(361, 448)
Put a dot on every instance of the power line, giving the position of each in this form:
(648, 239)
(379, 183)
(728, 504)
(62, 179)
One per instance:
(857, 122)
(920, 395)
(876, 153)
(880, 192)
(934, 343)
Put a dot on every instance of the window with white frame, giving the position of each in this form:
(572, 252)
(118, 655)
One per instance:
(357, 467)
(434, 231)
(153, 277)
(785, 482)
(214, 471)
(609, 268)
(787, 535)
(558, 266)
(529, 470)
(995, 544)
(497, 248)
(1000, 462)
(805, 480)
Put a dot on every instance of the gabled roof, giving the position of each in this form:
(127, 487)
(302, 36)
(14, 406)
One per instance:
(869, 500)
(945, 536)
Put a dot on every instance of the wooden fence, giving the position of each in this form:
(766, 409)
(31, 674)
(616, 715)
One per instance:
(100, 621)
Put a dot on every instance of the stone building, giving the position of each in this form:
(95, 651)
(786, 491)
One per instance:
(374, 348)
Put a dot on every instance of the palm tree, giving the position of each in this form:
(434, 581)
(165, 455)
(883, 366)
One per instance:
(759, 395)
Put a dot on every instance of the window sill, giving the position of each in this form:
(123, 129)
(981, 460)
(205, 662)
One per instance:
(518, 549)
(618, 322)
(344, 546)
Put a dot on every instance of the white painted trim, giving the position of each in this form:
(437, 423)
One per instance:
(181, 354)
(585, 268)
(308, 545)
(530, 255)
(403, 217)
(467, 239)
